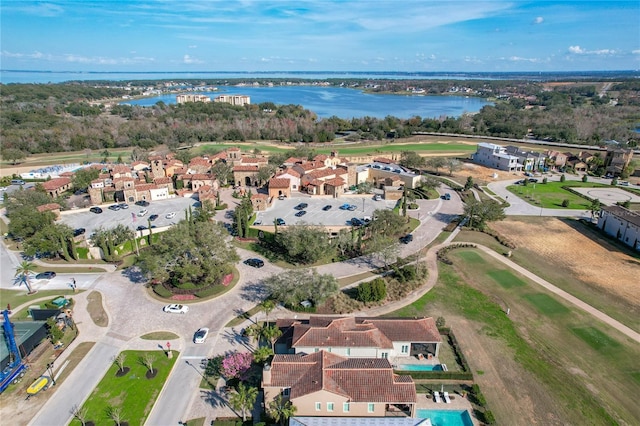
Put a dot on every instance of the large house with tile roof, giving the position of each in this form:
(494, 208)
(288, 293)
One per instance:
(55, 187)
(331, 385)
(359, 337)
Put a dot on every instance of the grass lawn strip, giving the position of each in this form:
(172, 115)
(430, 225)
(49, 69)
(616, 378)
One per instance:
(133, 393)
(550, 195)
(588, 385)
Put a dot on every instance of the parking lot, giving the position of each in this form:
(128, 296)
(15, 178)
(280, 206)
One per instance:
(109, 218)
(315, 215)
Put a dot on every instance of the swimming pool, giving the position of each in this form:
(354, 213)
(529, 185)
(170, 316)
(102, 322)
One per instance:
(446, 417)
(419, 367)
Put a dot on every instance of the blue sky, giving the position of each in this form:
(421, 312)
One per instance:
(325, 35)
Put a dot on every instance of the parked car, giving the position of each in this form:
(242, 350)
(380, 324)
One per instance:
(78, 232)
(141, 228)
(446, 196)
(255, 262)
(301, 213)
(406, 239)
(153, 217)
(281, 197)
(345, 206)
(352, 207)
(143, 212)
(115, 207)
(142, 203)
(377, 197)
(280, 221)
(46, 275)
(301, 206)
(124, 206)
(201, 335)
(170, 215)
(176, 309)
(95, 210)
(533, 180)
(327, 207)
(356, 222)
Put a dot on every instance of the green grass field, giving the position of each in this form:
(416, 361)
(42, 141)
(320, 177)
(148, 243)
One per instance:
(547, 338)
(550, 195)
(506, 278)
(133, 393)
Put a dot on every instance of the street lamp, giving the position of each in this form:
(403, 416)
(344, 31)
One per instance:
(50, 370)
(363, 205)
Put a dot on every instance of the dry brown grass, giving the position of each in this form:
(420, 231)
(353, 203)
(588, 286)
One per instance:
(96, 310)
(588, 260)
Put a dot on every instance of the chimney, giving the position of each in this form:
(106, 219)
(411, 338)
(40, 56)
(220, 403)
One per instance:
(266, 375)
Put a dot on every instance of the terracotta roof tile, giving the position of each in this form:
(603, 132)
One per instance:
(279, 182)
(335, 181)
(48, 207)
(245, 168)
(56, 183)
(162, 180)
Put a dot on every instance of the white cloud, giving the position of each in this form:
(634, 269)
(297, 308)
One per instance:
(521, 59)
(636, 52)
(538, 20)
(580, 51)
(193, 46)
(189, 60)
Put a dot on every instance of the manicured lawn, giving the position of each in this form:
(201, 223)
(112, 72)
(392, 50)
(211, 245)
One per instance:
(547, 338)
(160, 335)
(132, 393)
(596, 339)
(17, 298)
(506, 278)
(551, 194)
(546, 304)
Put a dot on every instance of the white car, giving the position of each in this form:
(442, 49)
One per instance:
(142, 212)
(201, 335)
(170, 215)
(176, 309)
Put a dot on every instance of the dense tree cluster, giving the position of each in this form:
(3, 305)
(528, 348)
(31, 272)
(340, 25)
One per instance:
(65, 117)
(297, 285)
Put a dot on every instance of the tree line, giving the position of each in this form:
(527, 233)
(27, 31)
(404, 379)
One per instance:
(66, 117)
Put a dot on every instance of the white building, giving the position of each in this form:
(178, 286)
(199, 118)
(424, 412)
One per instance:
(622, 224)
(237, 100)
(496, 157)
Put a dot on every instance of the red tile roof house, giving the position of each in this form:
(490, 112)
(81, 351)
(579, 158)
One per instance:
(330, 385)
(360, 337)
(57, 186)
(279, 186)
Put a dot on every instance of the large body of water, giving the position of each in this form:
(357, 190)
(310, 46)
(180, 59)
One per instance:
(343, 102)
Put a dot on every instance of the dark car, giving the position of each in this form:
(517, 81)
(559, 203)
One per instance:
(153, 217)
(46, 275)
(78, 232)
(406, 239)
(301, 213)
(327, 207)
(352, 207)
(280, 221)
(446, 196)
(256, 263)
(533, 180)
(142, 203)
(301, 206)
(115, 207)
(356, 222)
(141, 228)
(95, 210)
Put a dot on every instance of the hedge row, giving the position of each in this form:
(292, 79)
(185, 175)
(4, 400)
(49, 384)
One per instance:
(443, 375)
(499, 237)
(462, 361)
(442, 253)
(579, 194)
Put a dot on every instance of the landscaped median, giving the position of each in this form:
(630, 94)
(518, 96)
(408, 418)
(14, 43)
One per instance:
(128, 390)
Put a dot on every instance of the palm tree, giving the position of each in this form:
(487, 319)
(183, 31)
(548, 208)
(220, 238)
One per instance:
(267, 306)
(280, 410)
(243, 399)
(271, 333)
(23, 271)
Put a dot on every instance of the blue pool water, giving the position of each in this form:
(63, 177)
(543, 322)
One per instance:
(446, 417)
(418, 367)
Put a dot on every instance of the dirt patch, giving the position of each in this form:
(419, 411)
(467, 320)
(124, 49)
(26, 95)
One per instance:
(480, 174)
(587, 260)
(96, 310)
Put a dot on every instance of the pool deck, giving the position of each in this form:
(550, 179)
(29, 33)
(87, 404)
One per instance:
(425, 401)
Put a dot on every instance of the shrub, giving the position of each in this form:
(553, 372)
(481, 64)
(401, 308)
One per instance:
(545, 180)
(563, 178)
(585, 178)
(372, 291)
(221, 207)
(614, 181)
(161, 291)
(565, 203)
(440, 322)
(406, 274)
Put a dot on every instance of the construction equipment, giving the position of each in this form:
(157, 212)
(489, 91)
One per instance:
(16, 367)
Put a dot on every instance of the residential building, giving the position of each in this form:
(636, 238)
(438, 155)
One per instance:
(617, 159)
(192, 98)
(331, 385)
(530, 160)
(496, 157)
(360, 337)
(622, 224)
(556, 159)
(237, 100)
(383, 173)
(279, 186)
(55, 187)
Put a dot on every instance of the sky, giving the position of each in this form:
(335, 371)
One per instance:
(319, 35)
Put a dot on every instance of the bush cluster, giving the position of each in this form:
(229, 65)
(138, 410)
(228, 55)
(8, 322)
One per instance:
(372, 291)
(499, 237)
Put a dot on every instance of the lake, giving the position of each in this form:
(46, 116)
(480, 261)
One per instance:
(343, 102)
